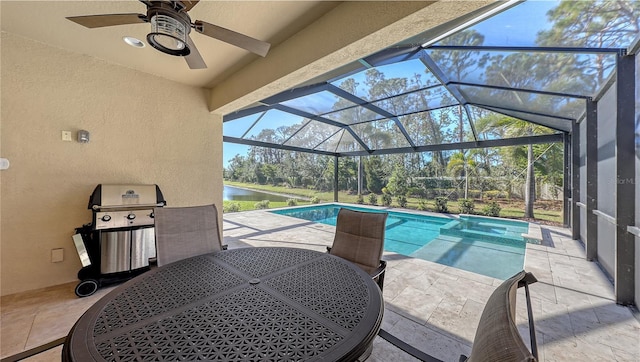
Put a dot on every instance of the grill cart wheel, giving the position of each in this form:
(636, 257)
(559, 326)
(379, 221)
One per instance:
(87, 287)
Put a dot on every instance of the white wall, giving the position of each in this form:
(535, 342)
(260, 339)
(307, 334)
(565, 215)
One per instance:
(144, 129)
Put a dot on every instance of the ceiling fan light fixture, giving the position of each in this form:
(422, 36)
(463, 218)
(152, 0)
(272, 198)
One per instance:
(134, 42)
(169, 34)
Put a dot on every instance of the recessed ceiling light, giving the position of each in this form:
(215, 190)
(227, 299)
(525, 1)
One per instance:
(134, 42)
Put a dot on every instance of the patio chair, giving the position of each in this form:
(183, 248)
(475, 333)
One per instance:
(183, 232)
(359, 238)
(497, 337)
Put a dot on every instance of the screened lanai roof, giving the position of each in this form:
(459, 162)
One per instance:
(533, 64)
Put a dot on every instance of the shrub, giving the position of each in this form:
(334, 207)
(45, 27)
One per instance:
(292, 202)
(416, 192)
(264, 204)
(466, 206)
(430, 193)
(314, 200)
(449, 193)
(373, 199)
(422, 205)
(492, 209)
(360, 199)
(402, 200)
(386, 199)
(473, 194)
(441, 204)
(231, 207)
(495, 194)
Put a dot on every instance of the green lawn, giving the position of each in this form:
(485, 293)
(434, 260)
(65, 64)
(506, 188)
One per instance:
(544, 211)
(250, 205)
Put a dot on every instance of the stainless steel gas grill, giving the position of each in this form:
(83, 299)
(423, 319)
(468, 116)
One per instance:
(120, 241)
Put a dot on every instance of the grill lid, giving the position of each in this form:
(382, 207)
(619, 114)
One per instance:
(125, 196)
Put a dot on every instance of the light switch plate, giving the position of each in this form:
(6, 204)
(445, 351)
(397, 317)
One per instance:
(66, 136)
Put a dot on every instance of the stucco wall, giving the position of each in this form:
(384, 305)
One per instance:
(144, 129)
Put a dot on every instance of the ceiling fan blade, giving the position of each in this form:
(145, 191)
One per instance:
(189, 4)
(98, 21)
(229, 36)
(194, 59)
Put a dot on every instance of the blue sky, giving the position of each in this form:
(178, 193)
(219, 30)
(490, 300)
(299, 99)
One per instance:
(517, 26)
(230, 150)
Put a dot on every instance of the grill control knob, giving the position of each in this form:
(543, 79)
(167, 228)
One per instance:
(106, 218)
(131, 216)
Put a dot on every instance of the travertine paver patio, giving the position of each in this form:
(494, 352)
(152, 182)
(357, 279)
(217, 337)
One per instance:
(436, 308)
(431, 306)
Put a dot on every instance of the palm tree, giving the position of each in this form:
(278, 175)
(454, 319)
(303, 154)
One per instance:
(508, 127)
(462, 164)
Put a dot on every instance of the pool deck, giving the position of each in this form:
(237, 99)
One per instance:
(431, 306)
(436, 308)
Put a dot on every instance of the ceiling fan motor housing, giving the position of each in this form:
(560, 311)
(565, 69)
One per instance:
(170, 28)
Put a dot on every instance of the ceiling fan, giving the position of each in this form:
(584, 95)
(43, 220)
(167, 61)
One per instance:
(170, 28)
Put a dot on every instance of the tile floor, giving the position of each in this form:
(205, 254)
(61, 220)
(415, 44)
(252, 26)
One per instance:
(431, 306)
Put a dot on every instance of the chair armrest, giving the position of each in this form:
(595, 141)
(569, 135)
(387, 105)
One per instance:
(530, 279)
(380, 269)
(378, 274)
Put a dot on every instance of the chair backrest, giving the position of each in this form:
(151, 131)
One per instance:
(183, 232)
(360, 238)
(497, 337)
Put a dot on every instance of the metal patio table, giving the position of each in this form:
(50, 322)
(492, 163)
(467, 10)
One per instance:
(248, 304)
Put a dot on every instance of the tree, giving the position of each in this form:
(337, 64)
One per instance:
(269, 171)
(461, 165)
(550, 169)
(599, 24)
(530, 190)
(509, 127)
(374, 174)
(235, 168)
(398, 184)
(519, 70)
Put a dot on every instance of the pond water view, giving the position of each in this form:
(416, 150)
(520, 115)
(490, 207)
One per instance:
(231, 193)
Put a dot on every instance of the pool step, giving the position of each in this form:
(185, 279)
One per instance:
(484, 229)
(482, 236)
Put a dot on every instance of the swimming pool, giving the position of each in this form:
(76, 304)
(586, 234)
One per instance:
(488, 246)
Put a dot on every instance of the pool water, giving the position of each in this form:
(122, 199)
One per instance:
(488, 246)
